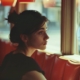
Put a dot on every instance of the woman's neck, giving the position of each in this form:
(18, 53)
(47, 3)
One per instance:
(28, 52)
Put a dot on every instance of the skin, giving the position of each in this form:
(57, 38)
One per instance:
(33, 75)
(38, 40)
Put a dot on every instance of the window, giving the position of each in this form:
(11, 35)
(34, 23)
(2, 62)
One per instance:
(4, 25)
(54, 15)
(78, 26)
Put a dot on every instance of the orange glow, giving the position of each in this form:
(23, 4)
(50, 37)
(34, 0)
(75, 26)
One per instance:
(49, 3)
(7, 2)
(0, 1)
(24, 1)
(13, 2)
(78, 2)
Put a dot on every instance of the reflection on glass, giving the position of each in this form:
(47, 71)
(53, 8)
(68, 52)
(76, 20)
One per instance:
(54, 16)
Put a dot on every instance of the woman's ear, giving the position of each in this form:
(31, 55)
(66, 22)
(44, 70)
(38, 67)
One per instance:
(24, 37)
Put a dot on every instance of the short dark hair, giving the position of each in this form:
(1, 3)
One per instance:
(27, 22)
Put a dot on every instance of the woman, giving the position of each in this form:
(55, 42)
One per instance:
(29, 32)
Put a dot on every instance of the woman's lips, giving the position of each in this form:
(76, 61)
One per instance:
(45, 43)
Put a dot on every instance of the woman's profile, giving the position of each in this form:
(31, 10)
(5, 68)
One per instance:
(29, 32)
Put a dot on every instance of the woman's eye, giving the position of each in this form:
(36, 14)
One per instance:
(41, 32)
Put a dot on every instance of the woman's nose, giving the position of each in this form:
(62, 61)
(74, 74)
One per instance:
(46, 36)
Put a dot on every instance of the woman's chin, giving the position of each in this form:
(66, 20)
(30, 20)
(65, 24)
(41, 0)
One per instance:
(43, 48)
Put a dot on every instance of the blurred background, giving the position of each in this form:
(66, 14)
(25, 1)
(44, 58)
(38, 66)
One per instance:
(53, 13)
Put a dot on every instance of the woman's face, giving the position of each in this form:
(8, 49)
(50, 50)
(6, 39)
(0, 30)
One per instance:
(38, 40)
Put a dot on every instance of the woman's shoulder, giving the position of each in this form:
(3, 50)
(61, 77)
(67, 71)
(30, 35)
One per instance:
(18, 56)
(20, 59)
(22, 62)
(6, 58)
(27, 64)
(19, 64)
